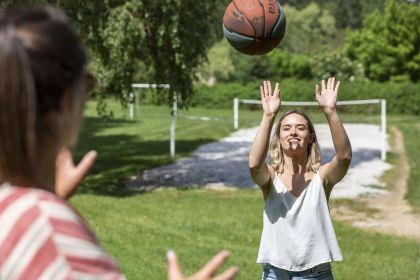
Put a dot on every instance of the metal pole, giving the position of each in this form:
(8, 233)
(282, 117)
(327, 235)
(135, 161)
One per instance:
(131, 106)
(173, 124)
(235, 113)
(383, 128)
(137, 104)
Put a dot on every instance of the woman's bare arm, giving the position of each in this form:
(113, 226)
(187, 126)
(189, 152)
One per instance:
(333, 171)
(260, 172)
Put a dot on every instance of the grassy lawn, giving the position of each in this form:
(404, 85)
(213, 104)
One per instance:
(137, 231)
(138, 228)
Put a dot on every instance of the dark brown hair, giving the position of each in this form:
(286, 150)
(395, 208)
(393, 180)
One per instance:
(41, 57)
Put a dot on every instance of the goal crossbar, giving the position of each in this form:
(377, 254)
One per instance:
(381, 102)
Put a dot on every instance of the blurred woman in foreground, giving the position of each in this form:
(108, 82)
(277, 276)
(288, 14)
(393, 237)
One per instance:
(42, 96)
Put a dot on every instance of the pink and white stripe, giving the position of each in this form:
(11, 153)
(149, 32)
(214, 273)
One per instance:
(43, 237)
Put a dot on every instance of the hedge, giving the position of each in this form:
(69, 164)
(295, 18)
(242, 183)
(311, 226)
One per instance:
(402, 98)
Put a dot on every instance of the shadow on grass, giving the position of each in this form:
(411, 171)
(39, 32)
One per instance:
(121, 156)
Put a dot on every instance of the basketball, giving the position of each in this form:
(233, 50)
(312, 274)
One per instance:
(254, 27)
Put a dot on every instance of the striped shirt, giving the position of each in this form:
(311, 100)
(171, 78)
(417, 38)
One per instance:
(43, 237)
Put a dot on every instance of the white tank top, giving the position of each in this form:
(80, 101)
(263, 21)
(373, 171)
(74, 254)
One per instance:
(297, 232)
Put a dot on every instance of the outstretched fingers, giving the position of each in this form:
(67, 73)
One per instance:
(213, 265)
(228, 274)
(266, 92)
(317, 90)
(262, 93)
(174, 271)
(277, 90)
(337, 86)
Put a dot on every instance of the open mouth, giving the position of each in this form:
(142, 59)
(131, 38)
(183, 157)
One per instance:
(294, 140)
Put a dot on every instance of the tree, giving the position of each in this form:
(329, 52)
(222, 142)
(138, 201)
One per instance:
(349, 14)
(389, 44)
(308, 29)
(160, 41)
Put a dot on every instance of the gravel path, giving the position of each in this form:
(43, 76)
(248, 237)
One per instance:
(225, 163)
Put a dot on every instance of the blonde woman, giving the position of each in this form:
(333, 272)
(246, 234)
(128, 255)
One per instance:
(298, 239)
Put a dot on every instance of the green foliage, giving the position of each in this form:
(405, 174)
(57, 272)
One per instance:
(291, 65)
(160, 41)
(348, 14)
(219, 67)
(308, 29)
(389, 44)
(327, 64)
(166, 39)
(403, 98)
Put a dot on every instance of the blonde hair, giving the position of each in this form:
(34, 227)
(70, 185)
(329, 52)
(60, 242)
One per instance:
(276, 151)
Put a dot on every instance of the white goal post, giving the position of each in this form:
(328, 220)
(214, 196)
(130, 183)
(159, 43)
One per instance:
(382, 102)
(174, 111)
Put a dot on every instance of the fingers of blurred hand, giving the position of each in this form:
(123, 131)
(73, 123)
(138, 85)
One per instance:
(317, 90)
(337, 86)
(266, 89)
(85, 165)
(174, 272)
(277, 90)
(213, 265)
(262, 93)
(323, 86)
(69, 176)
(332, 83)
(231, 273)
(269, 88)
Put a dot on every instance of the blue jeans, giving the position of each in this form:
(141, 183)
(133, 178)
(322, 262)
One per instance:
(319, 272)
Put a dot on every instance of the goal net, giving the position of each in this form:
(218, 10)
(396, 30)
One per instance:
(370, 112)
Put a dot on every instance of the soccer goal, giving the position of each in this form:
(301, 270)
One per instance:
(175, 115)
(135, 102)
(379, 115)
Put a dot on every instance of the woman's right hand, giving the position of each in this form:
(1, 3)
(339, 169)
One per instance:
(207, 272)
(270, 101)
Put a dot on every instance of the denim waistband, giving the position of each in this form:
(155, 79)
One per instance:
(317, 268)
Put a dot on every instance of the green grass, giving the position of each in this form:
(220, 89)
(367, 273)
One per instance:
(126, 147)
(138, 228)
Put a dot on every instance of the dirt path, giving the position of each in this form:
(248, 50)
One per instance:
(393, 214)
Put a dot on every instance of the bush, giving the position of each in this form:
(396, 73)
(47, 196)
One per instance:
(402, 98)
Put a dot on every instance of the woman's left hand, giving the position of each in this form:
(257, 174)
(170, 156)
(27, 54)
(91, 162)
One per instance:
(67, 175)
(327, 95)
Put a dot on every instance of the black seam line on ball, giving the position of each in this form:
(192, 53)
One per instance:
(277, 21)
(255, 32)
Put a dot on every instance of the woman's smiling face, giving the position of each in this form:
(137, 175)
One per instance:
(294, 133)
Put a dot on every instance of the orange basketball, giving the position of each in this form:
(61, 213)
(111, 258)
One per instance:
(254, 27)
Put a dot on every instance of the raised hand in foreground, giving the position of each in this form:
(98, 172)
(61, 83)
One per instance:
(206, 272)
(67, 175)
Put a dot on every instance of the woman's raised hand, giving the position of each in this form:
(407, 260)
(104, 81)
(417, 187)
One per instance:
(327, 95)
(207, 272)
(270, 101)
(68, 176)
